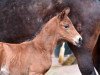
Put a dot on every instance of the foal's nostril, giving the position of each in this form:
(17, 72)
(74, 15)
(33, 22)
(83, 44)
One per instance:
(80, 41)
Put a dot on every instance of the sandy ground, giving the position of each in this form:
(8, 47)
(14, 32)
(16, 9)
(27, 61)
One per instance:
(57, 69)
(64, 70)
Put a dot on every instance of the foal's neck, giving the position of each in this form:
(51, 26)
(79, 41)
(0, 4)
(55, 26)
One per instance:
(47, 38)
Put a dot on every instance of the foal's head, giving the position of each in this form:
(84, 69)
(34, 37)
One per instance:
(66, 30)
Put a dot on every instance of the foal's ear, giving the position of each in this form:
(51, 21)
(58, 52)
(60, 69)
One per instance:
(64, 13)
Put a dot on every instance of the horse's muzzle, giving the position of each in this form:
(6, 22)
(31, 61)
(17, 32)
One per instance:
(79, 43)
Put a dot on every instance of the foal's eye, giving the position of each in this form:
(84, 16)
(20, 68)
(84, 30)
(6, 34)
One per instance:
(66, 26)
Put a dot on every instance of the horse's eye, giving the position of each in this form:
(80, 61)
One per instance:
(66, 26)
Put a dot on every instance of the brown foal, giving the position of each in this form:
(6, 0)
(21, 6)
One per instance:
(34, 57)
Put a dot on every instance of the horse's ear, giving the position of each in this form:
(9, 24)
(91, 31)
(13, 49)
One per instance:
(63, 13)
(67, 10)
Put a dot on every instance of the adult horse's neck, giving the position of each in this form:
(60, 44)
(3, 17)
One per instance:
(47, 37)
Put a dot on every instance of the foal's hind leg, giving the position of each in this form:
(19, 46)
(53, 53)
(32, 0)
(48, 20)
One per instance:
(96, 56)
(1, 54)
(3, 69)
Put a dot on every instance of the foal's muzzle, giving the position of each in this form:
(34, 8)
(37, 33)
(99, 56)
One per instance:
(78, 41)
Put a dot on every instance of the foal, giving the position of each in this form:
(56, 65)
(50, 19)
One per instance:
(34, 57)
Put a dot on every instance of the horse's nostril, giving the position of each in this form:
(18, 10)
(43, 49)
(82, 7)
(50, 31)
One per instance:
(80, 41)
